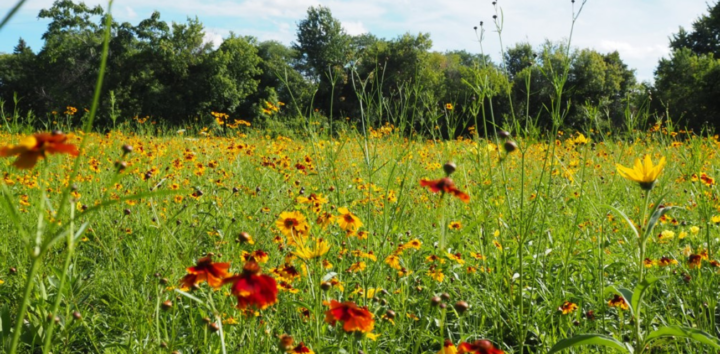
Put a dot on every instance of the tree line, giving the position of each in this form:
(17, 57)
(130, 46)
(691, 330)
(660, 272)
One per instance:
(168, 72)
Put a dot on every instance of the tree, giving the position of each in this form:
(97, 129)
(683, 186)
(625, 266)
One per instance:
(705, 36)
(321, 44)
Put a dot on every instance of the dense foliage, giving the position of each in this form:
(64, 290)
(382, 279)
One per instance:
(169, 74)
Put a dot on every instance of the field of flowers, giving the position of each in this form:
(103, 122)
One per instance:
(363, 243)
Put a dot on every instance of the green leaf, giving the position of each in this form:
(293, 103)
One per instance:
(589, 339)
(627, 220)
(684, 332)
(639, 291)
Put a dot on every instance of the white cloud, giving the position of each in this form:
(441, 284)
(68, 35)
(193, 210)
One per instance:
(354, 28)
(214, 36)
(130, 13)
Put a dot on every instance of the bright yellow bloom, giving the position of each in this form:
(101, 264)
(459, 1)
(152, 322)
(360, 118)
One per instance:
(644, 173)
(348, 220)
(320, 248)
(293, 225)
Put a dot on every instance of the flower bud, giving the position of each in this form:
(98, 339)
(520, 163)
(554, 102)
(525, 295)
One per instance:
(461, 307)
(510, 146)
(449, 168)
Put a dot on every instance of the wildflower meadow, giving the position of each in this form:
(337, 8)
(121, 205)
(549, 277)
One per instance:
(226, 236)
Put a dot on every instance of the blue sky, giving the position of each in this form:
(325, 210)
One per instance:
(638, 29)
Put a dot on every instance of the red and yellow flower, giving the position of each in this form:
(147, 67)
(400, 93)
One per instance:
(206, 270)
(37, 146)
(354, 318)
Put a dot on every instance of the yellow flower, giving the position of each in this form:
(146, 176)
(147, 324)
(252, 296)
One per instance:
(448, 348)
(449, 106)
(644, 173)
(348, 220)
(694, 230)
(581, 139)
(436, 274)
(455, 225)
(306, 253)
(715, 219)
(292, 224)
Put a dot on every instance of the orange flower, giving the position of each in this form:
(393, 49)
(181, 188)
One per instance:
(252, 288)
(479, 347)
(34, 147)
(206, 270)
(353, 317)
(445, 185)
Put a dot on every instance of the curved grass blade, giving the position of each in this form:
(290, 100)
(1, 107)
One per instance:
(589, 339)
(684, 332)
(627, 219)
(11, 13)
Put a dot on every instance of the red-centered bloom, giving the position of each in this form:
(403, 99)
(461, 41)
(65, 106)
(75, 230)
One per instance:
(353, 317)
(206, 270)
(302, 349)
(34, 147)
(252, 288)
(448, 348)
(445, 185)
(479, 347)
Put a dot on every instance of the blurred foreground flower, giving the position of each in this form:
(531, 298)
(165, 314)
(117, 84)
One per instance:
(644, 173)
(445, 185)
(479, 347)
(252, 288)
(448, 348)
(354, 318)
(37, 146)
(206, 270)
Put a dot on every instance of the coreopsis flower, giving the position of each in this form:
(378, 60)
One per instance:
(354, 318)
(707, 180)
(292, 224)
(455, 225)
(666, 261)
(316, 249)
(445, 185)
(347, 220)
(645, 173)
(618, 301)
(449, 106)
(567, 307)
(37, 146)
(695, 261)
(479, 347)
(206, 270)
(301, 349)
(581, 139)
(252, 288)
(448, 348)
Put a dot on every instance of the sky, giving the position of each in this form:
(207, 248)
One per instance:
(638, 29)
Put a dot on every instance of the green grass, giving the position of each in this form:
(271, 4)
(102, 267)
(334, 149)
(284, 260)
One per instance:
(130, 258)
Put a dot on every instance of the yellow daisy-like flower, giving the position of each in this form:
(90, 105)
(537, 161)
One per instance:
(293, 225)
(347, 220)
(319, 248)
(643, 172)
